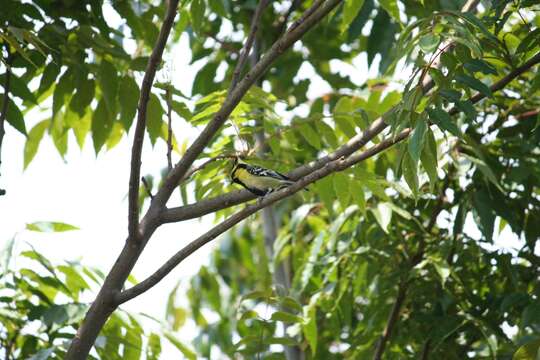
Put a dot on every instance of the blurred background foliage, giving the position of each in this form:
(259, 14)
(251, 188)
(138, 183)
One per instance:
(414, 227)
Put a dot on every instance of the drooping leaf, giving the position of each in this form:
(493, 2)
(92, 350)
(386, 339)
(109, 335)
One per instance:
(34, 139)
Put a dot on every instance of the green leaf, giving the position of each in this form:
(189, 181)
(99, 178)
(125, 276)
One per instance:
(128, 101)
(197, 15)
(357, 192)
(102, 125)
(442, 269)
(307, 272)
(58, 316)
(138, 64)
(443, 121)
(351, 8)
(13, 115)
(154, 117)
(485, 170)
(43, 354)
(341, 188)
(285, 317)
(48, 77)
(327, 133)
(50, 226)
(429, 158)
(310, 135)
(108, 81)
(477, 65)
(410, 172)
(181, 110)
(391, 8)
(33, 140)
(343, 116)
(83, 97)
(429, 42)
(153, 349)
(529, 41)
(19, 88)
(187, 352)
(474, 84)
(309, 327)
(416, 141)
(450, 94)
(383, 215)
(529, 351)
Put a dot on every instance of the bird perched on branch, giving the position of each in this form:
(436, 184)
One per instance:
(258, 180)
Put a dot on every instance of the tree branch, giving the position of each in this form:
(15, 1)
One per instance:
(233, 198)
(136, 150)
(105, 302)
(328, 168)
(5, 102)
(169, 128)
(103, 306)
(248, 45)
(178, 172)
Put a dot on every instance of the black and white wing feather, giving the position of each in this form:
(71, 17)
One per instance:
(260, 171)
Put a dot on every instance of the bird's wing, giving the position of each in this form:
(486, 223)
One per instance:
(260, 171)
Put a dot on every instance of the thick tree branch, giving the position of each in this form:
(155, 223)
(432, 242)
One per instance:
(286, 41)
(248, 45)
(103, 306)
(140, 126)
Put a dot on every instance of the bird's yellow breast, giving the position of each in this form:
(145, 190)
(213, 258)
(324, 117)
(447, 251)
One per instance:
(257, 182)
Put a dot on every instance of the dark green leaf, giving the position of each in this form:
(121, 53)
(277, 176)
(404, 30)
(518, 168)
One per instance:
(108, 81)
(197, 14)
(128, 101)
(416, 141)
(14, 116)
(102, 125)
(154, 117)
(443, 121)
(429, 158)
(474, 84)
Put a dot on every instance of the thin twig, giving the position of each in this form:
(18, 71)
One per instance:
(136, 150)
(5, 102)
(147, 187)
(168, 94)
(249, 43)
(283, 24)
(316, 5)
(425, 350)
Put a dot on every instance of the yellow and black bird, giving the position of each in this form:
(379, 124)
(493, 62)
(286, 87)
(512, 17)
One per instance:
(258, 180)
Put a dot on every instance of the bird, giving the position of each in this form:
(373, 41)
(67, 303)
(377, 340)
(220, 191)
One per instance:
(258, 180)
